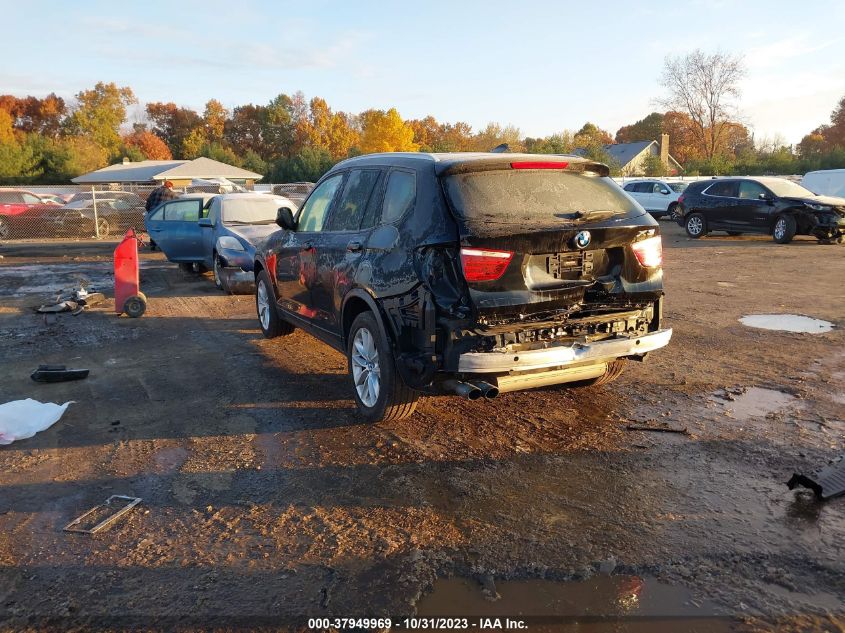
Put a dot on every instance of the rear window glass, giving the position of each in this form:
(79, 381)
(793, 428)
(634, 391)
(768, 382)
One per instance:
(492, 202)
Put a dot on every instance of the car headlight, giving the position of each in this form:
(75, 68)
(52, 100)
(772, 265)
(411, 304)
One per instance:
(229, 243)
(817, 207)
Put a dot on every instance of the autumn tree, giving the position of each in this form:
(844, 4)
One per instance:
(591, 136)
(99, 114)
(148, 144)
(173, 124)
(494, 135)
(828, 137)
(646, 129)
(323, 129)
(245, 129)
(385, 132)
(561, 143)
(214, 117)
(704, 87)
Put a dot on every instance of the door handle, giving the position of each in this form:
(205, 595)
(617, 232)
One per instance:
(354, 247)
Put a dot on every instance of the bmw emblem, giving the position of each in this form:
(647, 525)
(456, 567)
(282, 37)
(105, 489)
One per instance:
(582, 239)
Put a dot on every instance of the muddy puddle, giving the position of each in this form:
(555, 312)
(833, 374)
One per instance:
(598, 605)
(753, 402)
(787, 323)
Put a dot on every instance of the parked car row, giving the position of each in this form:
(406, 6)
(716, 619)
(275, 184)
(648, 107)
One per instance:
(658, 197)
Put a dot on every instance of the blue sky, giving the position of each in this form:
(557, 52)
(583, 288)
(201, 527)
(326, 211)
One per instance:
(541, 66)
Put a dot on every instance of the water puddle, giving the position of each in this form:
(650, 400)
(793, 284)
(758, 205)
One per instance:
(599, 604)
(787, 323)
(753, 402)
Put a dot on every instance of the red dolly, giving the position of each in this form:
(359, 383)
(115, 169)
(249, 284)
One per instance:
(128, 297)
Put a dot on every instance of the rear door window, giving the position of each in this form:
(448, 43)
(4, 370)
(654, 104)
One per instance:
(400, 194)
(353, 202)
(725, 189)
(10, 197)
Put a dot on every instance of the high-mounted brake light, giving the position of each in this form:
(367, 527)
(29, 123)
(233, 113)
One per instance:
(649, 252)
(484, 265)
(539, 165)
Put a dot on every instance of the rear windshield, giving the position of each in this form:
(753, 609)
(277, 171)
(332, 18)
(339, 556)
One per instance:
(498, 201)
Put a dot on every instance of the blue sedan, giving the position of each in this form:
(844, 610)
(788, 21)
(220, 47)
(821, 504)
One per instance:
(219, 233)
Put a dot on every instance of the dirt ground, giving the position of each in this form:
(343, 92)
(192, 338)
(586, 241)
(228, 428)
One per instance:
(266, 501)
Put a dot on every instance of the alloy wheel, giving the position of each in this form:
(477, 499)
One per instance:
(263, 300)
(780, 229)
(4, 229)
(366, 371)
(695, 225)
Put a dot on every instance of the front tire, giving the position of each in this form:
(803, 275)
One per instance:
(380, 393)
(784, 231)
(218, 279)
(265, 305)
(695, 225)
(5, 231)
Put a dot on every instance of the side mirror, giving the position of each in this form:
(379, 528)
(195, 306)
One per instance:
(205, 223)
(665, 192)
(766, 197)
(284, 218)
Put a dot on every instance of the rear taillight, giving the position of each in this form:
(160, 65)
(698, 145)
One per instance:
(483, 265)
(649, 252)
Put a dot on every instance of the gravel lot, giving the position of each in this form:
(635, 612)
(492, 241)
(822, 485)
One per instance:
(266, 501)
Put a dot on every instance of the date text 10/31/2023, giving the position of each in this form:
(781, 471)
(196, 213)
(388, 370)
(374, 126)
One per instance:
(421, 623)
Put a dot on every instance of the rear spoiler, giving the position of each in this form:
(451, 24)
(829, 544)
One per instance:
(503, 161)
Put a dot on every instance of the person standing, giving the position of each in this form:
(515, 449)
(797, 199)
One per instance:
(159, 195)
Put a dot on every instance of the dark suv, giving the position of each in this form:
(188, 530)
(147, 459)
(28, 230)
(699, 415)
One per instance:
(772, 206)
(469, 274)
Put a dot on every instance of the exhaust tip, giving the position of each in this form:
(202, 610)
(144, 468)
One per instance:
(474, 393)
(491, 393)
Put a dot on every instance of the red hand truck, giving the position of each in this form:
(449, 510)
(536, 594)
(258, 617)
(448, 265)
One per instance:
(128, 297)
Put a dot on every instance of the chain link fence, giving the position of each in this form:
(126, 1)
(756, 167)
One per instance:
(100, 212)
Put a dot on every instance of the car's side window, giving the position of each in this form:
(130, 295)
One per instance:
(643, 187)
(182, 211)
(8, 197)
(656, 187)
(750, 190)
(631, 186)
(400, 194)
(312, 217)
(28, 198)
(725, 189)
(353, 202)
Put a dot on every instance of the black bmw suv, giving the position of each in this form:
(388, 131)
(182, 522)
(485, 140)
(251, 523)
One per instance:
(772, 206)
(467, 274)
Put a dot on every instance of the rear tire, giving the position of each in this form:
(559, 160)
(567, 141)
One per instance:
(784, 230)
(695, 225)
(265, 306)
(379, 391)
(5, 231)
(614, 370)
(672, 211)
(103, 228)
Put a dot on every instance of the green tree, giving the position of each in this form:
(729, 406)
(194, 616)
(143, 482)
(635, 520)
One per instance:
(308, 165)
(99, 114)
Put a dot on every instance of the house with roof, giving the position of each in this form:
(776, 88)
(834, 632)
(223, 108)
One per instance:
(179, 172)
(631, 157)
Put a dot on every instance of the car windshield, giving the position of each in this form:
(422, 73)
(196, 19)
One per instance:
(783, 188)
(498, 201)
(678, 187)
(251, 210)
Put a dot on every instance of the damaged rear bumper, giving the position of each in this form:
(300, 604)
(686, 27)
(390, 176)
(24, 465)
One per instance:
(562, 355)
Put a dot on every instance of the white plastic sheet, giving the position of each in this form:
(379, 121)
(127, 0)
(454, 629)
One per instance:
(21, 419)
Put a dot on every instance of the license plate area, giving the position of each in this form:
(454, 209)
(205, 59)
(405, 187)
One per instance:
(570, 265)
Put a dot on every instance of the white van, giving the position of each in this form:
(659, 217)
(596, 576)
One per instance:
(825, 182)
